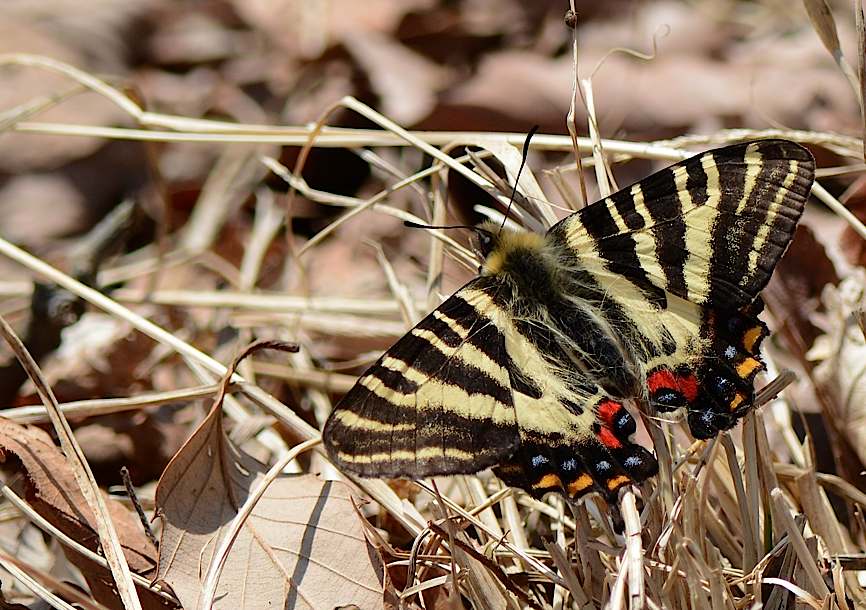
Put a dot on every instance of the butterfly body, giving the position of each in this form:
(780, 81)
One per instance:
(649, 296)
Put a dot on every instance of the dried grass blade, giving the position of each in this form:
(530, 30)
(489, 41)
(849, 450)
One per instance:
(226, 188)
(81, 469)
(807, 561)
(601, 174)
(103, 406)
(633, 551)
(802, 595)
(26, 578)
(563, 565)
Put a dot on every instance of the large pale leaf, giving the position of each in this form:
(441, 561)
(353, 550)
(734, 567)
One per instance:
(302, 547)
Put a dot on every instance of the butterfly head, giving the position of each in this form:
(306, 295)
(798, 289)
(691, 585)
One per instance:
(487, 235)
(501, 246)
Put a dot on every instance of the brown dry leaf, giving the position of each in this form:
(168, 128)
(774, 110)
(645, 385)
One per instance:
(511, 90)
(407, 83)
(54, 493)
(307, 28)
(853, 246)
(819, 97)
(39, 207)
(677, 28)
(101, 34)
(302, 547)
(22, 152)
(98, 355)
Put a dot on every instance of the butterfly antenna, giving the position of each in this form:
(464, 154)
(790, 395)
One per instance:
(525, 154)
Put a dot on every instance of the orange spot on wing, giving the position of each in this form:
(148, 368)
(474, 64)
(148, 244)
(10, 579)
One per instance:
(617, 482)
(736, 402)
(752, 337)
(747, 367)
(548, 481)
(580, 484)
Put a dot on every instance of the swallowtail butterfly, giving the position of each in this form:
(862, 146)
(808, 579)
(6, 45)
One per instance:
(649, 295)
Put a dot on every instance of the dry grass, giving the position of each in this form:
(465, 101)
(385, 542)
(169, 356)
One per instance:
(727, 523)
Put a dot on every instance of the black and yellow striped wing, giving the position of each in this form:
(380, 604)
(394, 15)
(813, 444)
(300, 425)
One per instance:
(683, 256)
(709, 229)
(438, 401)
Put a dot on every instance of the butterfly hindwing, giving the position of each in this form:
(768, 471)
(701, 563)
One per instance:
(575, 449)
(438, 401)
(574, 438)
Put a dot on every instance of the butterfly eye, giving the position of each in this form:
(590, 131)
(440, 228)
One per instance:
(485, 241)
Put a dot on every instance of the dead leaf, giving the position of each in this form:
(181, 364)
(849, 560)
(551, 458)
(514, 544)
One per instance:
(52, 490)
(22, 152)
(37, 208)
(406, 82)
(852, 245)
(307, 28)
(100, 34)
(841, 354)
(515, 89)
(302, 547)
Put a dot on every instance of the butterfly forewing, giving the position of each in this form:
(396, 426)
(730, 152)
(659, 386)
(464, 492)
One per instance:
(438, 401)
(709, 229)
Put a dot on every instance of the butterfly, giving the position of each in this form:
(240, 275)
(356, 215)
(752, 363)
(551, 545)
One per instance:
(650, 295)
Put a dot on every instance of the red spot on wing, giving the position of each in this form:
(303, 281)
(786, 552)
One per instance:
(688, 385)
(608, 439)
(608, 410)
(665, 379)
(661, 379)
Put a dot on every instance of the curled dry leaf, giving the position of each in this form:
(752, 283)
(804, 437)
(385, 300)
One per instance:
(52, 490)
(841, 352)
(303, 546)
